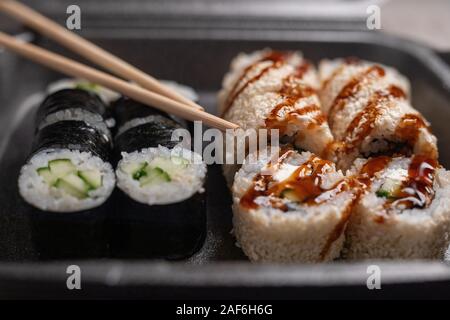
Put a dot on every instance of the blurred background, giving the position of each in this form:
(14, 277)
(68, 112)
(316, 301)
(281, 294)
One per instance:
(424, 21)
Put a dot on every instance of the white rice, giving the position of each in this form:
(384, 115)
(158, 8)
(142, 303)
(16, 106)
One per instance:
(391, 110)
(36, 192)
(77, 114)
(140, 121)
(403, 234)
(267, 234)
(182, 186)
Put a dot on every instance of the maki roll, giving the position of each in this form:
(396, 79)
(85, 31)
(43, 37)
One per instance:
(291, 207)
(369, 112)
(404, 212)
(67, 179)
(69, 167)
(276, 90)
(160, 209)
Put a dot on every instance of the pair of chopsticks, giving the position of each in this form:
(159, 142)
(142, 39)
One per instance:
(149, 90)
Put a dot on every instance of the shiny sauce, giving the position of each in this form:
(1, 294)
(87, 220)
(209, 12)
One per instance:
(362, 125)
(351, 88)
(409, 128)
(292, 90)
(304, 183)
(276, 58)
(358, 184)
(417, 190)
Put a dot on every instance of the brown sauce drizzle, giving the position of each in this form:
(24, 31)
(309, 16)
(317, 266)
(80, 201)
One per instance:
(396, 92)
(417, 190)
(337, 231)
(276, 57)
(362, 125)
(338, 70)
(292, 90)
(261, 182)
(370, 168)
(305, 182)
(351, 88)
(409, 127)
(359, 184)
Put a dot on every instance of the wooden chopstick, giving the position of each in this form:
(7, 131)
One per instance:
(75, 69)
(88, 50)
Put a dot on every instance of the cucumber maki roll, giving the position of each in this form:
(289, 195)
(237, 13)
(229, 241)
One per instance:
(68, 178)
(69, 169)
(161, 195)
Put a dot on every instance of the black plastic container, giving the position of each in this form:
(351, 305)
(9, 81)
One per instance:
(199, 58)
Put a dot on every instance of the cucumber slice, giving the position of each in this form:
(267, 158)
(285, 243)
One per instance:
(133, 168)
(46, 174)
(154, 176)
(92, 177)
(382, 194)
(88, 86)
(171, 165)
(73, 185)
(61, 167)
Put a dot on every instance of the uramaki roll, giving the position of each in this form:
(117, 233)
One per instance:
(276, 90)
(369, 113)
(293, 208)
(404, 211)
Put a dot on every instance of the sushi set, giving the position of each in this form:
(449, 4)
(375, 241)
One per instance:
(354, 115)
(70, 170)
(87, 174)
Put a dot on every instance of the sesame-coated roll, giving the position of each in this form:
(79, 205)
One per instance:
(369, 112)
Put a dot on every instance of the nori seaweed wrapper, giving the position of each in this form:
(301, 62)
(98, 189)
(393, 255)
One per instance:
(148, 135)
(151, 134)
(172, 231)
(125, 109)
(73, 135)
(71, 235)
(71, 99)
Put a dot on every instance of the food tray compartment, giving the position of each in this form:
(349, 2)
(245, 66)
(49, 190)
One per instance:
(200, 60)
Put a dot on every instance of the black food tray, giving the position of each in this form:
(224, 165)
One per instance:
(200, 59)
